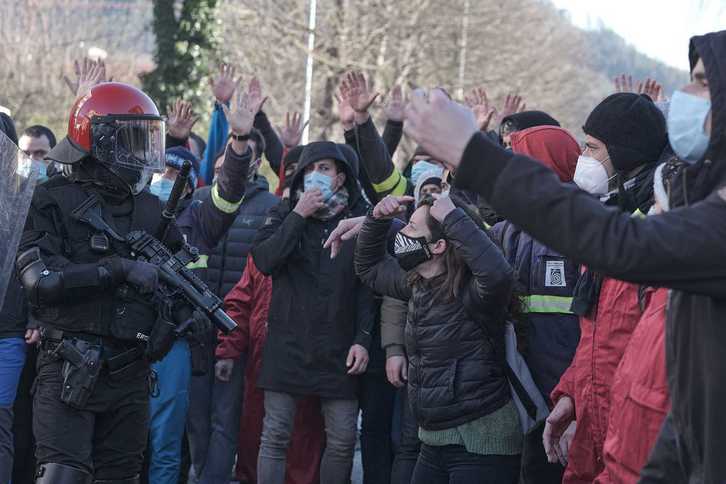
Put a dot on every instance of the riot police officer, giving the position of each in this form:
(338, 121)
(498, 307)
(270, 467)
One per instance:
(95, 305)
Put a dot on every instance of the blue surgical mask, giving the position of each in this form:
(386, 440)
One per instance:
(686, 119)
(42, 169)
(162, 188)
(422, 167)
(315, 179)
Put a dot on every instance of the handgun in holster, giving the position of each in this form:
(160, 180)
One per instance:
(80, 370)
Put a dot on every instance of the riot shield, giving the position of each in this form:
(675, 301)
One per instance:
(17, 182)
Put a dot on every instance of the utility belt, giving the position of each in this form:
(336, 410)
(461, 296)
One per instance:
(85, 357)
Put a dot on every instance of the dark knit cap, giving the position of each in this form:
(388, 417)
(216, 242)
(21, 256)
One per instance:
(293, 156)
(632, 128)
(529, 119)
(8, 127)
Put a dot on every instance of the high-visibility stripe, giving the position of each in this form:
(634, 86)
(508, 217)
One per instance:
(221, 203)
(400, 189)
(638, 214)
(548, 304)
(389, 183)
(201, 263)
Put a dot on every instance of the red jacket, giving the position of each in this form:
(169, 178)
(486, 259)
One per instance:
(589, 378)
(248, 304)
(640, 393)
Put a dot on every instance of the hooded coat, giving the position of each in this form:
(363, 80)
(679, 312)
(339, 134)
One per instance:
(319, 307)
(682, 250)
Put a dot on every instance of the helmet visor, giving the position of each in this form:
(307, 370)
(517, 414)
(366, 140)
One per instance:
(139, 143)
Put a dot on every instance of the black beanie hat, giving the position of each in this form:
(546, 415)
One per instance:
(530, 119)
(632, 128)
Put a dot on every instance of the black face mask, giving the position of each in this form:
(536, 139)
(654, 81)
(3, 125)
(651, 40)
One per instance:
(411, 252)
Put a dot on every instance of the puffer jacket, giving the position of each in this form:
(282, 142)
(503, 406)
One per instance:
(456, 360)
(227, 260)
(640, 395)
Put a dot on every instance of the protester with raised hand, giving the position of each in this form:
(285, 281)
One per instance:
(204, 223)
(88, 74)
(394, 110)
(459, 288)
(321, 316)
(680, 250)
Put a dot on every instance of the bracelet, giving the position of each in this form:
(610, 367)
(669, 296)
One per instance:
(240, 137)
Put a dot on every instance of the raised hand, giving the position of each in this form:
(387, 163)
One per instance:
(180, 119)
(395, 105)
(291, 133)
(255, 96)
(224, 83)
(345, 111)
(441, 126)
(624, 83)
(241, 116)
(88, 74)
(478, 101)
(360, 95)
(391, 206)
(512, 104)
(652, 89)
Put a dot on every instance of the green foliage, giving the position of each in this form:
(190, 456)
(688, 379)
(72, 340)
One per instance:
(184, 52)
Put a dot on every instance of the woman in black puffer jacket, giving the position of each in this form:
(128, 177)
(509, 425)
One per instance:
(459, 287)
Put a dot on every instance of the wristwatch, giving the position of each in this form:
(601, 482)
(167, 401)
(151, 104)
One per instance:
(240, 137)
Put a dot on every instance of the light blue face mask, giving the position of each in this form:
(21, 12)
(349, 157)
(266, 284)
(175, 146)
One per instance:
(422, 167)
(162, 188)
(315, 179)
(686, 118)
(42, 169)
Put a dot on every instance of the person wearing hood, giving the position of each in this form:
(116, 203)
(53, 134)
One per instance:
(321, 315)
(545, 277)
(681, 250)
(429, 183)
(640, 389)
(459, 289)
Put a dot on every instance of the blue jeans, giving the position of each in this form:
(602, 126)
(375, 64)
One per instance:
(452, 464)
(12, 359)
(169, 414)
(213, 423)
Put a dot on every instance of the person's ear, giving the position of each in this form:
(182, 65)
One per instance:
(438, 247)
(340, 179)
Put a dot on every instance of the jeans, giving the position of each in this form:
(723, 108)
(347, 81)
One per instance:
(409, 446)
(377, 399)
(169, 414)
(107, 437)
(213, 424)
(12, 358)
(340, 430)
(452, 464)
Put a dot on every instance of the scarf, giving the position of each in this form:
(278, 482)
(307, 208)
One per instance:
(334, 206)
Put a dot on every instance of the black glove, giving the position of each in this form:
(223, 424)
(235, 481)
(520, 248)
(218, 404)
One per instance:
(143, 275)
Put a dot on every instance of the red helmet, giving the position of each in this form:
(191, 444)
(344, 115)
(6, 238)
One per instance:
(117, 125)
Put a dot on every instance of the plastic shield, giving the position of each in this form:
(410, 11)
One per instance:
(17, 182)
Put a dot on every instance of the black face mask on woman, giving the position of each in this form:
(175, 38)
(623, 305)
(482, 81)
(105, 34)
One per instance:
(410, 251)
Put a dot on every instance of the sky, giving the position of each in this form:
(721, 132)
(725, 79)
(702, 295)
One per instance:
(657, 28)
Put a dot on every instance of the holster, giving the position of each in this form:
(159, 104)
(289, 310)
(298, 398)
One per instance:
(199, 354)
(80, 370)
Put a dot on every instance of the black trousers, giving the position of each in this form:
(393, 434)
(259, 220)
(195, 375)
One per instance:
(107, 438)
(452, 464)
(377, 398)
(669, 461)
(24, 462)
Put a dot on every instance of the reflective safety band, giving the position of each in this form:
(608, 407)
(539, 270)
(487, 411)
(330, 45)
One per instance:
(638, 214)
(389, 183)
(201, 263)
(221, 203)
(548, 304)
